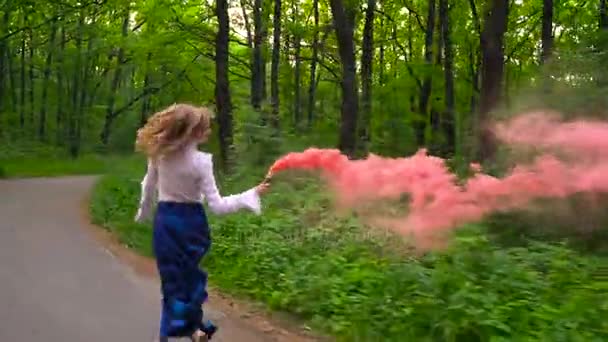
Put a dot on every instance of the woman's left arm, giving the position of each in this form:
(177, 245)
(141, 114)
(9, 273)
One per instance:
(225, 204)
(148, 192)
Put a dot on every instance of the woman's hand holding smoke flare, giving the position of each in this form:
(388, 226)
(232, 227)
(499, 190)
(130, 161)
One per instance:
(263, 187)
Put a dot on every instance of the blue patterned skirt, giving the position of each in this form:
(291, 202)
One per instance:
(181, 239)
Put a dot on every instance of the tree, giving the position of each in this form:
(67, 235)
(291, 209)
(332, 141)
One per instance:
(367, 56)
(547, 31)
(257, 74)
(222, 84)
(425, 91)
(313, 64)
(274, 68)
(343, 23)
(492, 68)
(120, 61)
(45, 84)
(449, 117)
(603, 15)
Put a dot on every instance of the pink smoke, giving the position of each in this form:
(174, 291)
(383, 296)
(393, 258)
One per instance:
(437, 203)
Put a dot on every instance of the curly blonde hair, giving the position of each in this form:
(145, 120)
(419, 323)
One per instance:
(173, 128)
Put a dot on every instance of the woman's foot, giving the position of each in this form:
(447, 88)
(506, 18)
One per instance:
(209, 329)
(199, 336)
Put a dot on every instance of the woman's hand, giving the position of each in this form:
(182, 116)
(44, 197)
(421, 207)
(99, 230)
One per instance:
(263, 187)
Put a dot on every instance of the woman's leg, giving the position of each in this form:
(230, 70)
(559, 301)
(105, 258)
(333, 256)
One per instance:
(181, 239)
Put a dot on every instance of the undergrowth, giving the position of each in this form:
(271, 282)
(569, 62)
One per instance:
(300, 257)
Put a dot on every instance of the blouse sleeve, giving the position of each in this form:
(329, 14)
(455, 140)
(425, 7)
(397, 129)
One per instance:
(219, 205)
(148, 192)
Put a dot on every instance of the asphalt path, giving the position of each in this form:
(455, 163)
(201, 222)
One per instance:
(59, 283)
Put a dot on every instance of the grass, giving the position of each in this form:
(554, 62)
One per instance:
(301, 258)
(22, 159)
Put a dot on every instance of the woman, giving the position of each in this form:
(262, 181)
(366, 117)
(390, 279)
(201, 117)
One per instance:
(184, 178)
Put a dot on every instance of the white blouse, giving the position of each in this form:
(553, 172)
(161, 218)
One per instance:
(187, 176)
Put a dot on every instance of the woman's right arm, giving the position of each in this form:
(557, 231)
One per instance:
(148, 191)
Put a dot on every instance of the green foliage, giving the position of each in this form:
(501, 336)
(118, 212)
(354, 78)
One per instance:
(359, 285)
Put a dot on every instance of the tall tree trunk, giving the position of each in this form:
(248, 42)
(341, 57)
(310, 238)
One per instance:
(313, 65)
(474, 67)
(74, 118)
(257, 81)
(297, 110)
(263, 81)
(427, 83)
(145, 107)
(23, 86)
(547, 31)
(350, 99)
(603, 15)
(274, 68)
(120, 60)
(31, 76)
(45, 83)
(367, 57)
(3, 57)
(222, 84)
(492, 69)
(87, 69)
(247, 24)
(381, 57)
(449, 118)
(11, 77)
(60, 69)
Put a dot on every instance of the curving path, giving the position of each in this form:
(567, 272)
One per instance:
(59, 283)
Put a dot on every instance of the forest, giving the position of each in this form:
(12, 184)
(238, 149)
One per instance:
(78, 78)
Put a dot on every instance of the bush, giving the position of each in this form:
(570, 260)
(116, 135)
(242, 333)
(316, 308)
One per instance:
(302, 258)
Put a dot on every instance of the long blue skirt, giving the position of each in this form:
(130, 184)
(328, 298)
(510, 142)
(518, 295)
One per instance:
(181, 239)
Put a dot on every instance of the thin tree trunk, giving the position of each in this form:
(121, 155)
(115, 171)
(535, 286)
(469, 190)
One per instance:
(547, 32)
(313, 65)
(222, 84)
(367, 57)
(3, 57)
(60, 92)
(427, 84)
(145, 107)
(474, 67)
(22, 85)
(31, 76)
(381, 57)
(256, 76)
(449, 118)
(603, 15)
(492, 72)
(297, 110)
(274, 68)
(350, 99)
(435, 115)
(45, 82)
(74, 146)
(247, 24)
(263, 81)
(11, 78)
(84, 87)
(120, 60)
